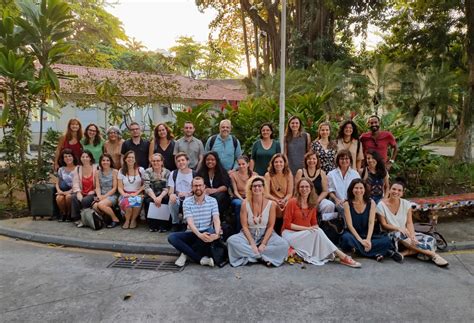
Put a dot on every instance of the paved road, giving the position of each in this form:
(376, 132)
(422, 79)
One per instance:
(40, 283)
(445, 151)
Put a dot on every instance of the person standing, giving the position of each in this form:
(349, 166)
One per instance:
(70, 140)
(113, 145)
(263, 150)
(297, 144)
(325, 148)
(92, 141)
(202, 216)
(225, 145)
(379, 141)
(136, 144)
(348, 138)
(163, 144)
(190, 145)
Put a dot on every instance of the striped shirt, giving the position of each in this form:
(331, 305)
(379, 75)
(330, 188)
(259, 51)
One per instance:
(201, 214)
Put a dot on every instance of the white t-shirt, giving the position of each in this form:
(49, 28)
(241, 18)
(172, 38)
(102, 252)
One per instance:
(131, 183)
(400, 219)
(183, 181)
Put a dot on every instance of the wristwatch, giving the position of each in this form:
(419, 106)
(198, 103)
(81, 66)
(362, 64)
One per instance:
(391, 161)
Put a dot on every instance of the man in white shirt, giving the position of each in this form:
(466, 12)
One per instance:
(180, 187)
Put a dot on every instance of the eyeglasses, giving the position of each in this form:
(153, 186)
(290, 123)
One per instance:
(344, 158)
(112, 132)
(91, 130)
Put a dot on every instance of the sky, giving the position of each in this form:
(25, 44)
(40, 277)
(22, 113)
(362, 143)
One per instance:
(158, 23)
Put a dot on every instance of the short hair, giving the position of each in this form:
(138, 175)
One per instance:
(306, 157)
(225, 120)
(109, 157)
(374, 116)
(350, 190)
(400, 181)
(157, 155)
(181, 154)
(114, 129)
(197, 178)
(134, 123)
(63, 152)
(189, 122)
(269, 125)
(343, 153)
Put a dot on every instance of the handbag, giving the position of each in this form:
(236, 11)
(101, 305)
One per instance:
(91, 219)
(219, 253)
(333, 228)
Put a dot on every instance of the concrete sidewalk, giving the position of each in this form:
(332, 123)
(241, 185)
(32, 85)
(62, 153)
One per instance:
(458, 232)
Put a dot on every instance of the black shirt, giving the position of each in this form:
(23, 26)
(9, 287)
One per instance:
(140, 150)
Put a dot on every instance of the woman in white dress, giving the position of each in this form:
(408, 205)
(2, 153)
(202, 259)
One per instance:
(301, 230)
(396, 218)
(130, 187)
(257, 241)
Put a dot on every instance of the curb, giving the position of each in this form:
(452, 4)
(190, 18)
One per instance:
(458, 246)
(118, 246)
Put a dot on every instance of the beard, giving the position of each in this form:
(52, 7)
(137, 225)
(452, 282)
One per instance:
(198, 192)
(374, 128)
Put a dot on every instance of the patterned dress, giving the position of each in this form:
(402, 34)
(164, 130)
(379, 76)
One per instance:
(327, 157)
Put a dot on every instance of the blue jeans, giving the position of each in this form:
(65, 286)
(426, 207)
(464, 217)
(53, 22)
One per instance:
(236, 206)
(189, 244)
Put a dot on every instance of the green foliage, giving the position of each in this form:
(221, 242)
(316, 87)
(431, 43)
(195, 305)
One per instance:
(199, 115)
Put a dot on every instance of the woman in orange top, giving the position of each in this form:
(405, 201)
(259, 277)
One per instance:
(301, 230)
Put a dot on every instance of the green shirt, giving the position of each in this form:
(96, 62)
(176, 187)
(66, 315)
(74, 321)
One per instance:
(95, 150)
(262, 157)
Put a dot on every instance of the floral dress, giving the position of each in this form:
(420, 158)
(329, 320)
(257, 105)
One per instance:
(327, 157)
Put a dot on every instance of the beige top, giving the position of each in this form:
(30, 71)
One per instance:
(240, 181)
(352, 147)
(115, 152)
(279, 186)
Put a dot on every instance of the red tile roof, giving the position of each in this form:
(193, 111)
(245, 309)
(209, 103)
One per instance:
(134, 84)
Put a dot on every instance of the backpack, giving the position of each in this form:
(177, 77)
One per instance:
(175, 175)
(91, 219)
(213, 140)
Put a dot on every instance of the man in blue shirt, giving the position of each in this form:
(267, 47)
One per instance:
(225, 145)
(202, 215)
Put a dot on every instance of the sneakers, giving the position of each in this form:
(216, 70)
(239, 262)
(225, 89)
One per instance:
(439, 261)
(398, 257)
(206, 261)
(181, 261)
(348, 261)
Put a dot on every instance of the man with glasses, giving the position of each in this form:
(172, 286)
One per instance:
(138, 145)
(379, 141)
(202, 216)
(190, 145)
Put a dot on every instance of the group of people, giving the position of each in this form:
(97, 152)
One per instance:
(276, 200)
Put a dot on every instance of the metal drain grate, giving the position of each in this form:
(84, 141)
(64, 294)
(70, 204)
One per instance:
(148, 264)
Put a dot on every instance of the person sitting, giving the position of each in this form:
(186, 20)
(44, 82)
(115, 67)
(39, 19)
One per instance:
(395, 214)
(312, 171)
(359, 211)
(257, 240)
(216, 179)
(163, 143)
(130, 186)
(83, 186)
(340, 178)
(67, 163)
(239, 180)
(375, 175)
(113, 145)
(301, 230)
(179, 184)
(279, 185)
(202, 216)
(156, 190)
(70, 140)
(106, 188)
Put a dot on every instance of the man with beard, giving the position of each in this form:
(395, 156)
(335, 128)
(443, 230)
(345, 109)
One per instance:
(379, 141)
(189, 144)
(202, 216)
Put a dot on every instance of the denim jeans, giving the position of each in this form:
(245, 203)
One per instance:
(174, 210)
(236, 206)
(189, 244)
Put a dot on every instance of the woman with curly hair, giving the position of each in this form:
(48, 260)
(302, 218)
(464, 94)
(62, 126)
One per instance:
(348, 138)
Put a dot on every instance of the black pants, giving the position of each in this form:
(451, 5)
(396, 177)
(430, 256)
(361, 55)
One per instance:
(77, 206)
(155, 224)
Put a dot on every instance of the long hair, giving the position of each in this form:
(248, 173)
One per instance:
(219, 171)
(90, 156)
(269, 125)
(380, 169)
(68, 134)
(63, 152)
(271, 168)
(355, 132)
(307, 156)
(312, 197)
(289, 133)
(169, 134)
(331, 143)
(106, 155)
(97, 138)
(124, 163)
(350, 189)
(246, 159)
(248, 187)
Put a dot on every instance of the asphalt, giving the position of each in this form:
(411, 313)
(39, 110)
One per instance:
(458, 232)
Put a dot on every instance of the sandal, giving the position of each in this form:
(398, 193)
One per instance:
(379, 258)
(126, 225)
(133, 225)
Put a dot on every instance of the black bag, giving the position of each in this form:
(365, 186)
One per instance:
(43, 200)
(92, 219)
(219, 253)
(429, 229)
(333, 228)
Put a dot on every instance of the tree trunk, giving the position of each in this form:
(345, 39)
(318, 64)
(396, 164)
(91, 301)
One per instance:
(246, 45)
(463, 152)
(39, 165)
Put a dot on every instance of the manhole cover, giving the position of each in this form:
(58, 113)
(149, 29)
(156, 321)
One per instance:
(148, 264)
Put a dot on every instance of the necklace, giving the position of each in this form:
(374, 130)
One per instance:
(278, 184)
(257, 219)
(134, 178)
(310, 176)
